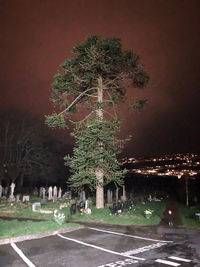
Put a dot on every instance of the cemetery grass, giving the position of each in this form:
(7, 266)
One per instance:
(133, 217)
(188, 217)
(14, 228)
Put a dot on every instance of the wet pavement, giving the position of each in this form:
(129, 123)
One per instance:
(95, 246)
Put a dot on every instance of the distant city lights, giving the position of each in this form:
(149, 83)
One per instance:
(179, 165)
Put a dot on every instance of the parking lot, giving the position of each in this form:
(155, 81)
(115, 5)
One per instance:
(98, 247)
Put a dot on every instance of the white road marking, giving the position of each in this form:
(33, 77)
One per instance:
(100, 248)
(21, 254)
(143, 249)
(133, 236)
(167, 262)
(119, 263)
(179, 259)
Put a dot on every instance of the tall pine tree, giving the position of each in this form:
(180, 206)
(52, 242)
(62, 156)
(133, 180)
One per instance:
(95, 78)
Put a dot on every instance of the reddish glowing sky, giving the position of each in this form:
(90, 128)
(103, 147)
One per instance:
(37, 35)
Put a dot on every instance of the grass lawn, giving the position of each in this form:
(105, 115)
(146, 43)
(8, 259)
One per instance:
(15, 228)
(133, 217)
(188, 217)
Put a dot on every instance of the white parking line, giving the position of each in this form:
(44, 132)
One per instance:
(167, 262)
(143, 249)
(21, 254)
(179, 259)
(100, 248)
(133, 236)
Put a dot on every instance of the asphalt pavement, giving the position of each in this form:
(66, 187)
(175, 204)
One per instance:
(106, 245)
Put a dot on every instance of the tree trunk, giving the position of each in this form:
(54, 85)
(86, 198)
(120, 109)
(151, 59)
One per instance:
(99, 189)
(99, 172)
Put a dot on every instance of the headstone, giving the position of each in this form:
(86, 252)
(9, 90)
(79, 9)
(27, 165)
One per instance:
(117, 194)
(55, 191)
(150, 198)
(87, 203)
(59, 192)
(18, 197)
(1, 190)
(11, 197)
(123, 197)
(109, 196)
(50, 193)
(41, 191)
(26, 198)
(87, 207)
(36, 204)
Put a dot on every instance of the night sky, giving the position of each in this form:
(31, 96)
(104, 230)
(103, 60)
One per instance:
(38, 35)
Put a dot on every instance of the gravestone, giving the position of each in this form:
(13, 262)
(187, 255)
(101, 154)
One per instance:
(50, 193)
(41, 191)
(55, 191)
(87, 203)
(1, 190)
(26, 198)
(117, 194)
(36, 204)
(60, 193)
(87, 207)
(11, 197)
(18, 197)
(123, 197)
(109, 196)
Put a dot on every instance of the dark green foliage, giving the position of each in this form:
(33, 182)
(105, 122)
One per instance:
(55, 121)
(77, 80)
(96, 147)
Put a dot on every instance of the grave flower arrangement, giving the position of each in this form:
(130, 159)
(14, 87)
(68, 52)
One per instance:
(59, 217)
(148, 213)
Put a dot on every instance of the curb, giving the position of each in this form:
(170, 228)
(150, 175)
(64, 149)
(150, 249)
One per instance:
(37, 236)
